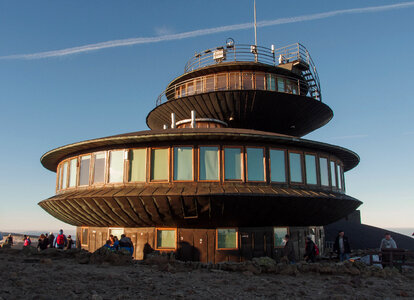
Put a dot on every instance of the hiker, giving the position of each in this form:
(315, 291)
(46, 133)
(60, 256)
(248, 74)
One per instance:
(51, 239)
(288, 250)
(387, 242)
(341, 246)
(108, 245)
(310, 251)
(126, 243)
(60, 241)
(9, 241)
(42, 242)
(27, 242)
(70, 243)
(114, 243)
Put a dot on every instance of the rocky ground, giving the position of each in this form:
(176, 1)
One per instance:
(74, 274)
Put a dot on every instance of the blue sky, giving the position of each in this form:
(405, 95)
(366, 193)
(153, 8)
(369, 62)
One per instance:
(365, 61)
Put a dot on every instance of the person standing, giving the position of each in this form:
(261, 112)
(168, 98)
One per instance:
(310, 251)
(289, 250)
(387, 242)
(42, 242)
(70, 243)
(27, 242)
(342, 246)
(60, 241)
(9, 241)
(51, 239)
(126, 244)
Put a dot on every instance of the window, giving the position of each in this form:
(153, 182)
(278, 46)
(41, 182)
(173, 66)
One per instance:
(209, 83)
(255, 164)
(247, 81)
(277, 166)
(333, 174)
(138, 165)
(279, 236)
(270, 82)
(295, 164)
(323, 165)
(84, 236)
(183, 163)
(166, 238)
(234, 81)
(199, 85)
(310, 166)
(232, 164)
(227, 238)
(99, 168)
(159, 164)
(116, 166)
(280, 85)
(209, 163)
(294, 87)
(59, 177)
(338, 167)
(73, 172)
(85, 162)
(221, 82)
(190, 88)
(260, 81)
(65, 175)
(116, 232)
(343, 179)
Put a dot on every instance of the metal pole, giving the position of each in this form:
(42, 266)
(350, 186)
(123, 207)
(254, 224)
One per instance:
(255, 25)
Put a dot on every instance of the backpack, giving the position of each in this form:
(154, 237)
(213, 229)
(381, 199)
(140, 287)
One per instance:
(316, 250)
(60, 240)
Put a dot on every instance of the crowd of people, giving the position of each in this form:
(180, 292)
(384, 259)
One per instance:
(60, 241)
(124, 243)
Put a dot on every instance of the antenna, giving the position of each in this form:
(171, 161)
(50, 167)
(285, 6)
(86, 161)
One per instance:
(255, 25)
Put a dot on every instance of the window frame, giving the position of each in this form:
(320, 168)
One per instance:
(173, 161)
(242, 175)
(130, 150)
(79, 170)
(301, 166)
(237, 239)
(273, 235)
(263, 161)
(168, 165)
(285, 151)
(328, 169)
(316, 168)
(218, 163)
(105, 168)
(333, 160)
(109, 165)
(156, 238)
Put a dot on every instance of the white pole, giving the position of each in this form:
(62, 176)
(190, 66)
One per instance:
(255, 25)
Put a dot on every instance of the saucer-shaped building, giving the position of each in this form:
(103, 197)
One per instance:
(223, 174)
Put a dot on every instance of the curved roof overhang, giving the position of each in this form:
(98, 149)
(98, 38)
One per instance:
(51, 159)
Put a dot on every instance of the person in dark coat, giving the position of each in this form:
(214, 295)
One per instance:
(70, 242)
(51, 238)
(310, 252)
(289, 250)
(42, 242)
(126, 244)
(341, 246)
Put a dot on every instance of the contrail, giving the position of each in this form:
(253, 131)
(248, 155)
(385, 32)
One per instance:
(201, 32)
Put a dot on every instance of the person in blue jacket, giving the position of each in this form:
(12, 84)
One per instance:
(60, 241)
(126, 243)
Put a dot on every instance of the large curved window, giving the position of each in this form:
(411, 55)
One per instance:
(85, 163)
(159, 164)
(99, 167)
(295, 167)
(232, 164)
(116, 166)
(310, 166)
(277, 165)
(255, 164)
(209, 163)
(65, 175)
(138, 165)
(73, 172)
(323, 166)
(183, 163)
(333, 174)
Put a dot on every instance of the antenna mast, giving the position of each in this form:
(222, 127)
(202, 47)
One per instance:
(255, 25)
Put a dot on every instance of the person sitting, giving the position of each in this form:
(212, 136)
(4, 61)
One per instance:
(108, 245)
(115, 243)
(126, 243)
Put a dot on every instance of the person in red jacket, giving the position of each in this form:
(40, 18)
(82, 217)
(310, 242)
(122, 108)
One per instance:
(60, 241)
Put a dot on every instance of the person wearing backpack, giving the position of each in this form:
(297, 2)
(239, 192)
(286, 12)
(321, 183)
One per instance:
(27, 242)
(310, 250)
(60, 241)
(341, 246)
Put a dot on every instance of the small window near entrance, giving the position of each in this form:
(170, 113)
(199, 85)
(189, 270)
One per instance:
(166, 239)
(227, 239)
(84, 236)
(116, 232)
(279, 236)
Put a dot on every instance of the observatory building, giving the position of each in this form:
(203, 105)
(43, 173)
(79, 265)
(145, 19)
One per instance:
(223, 173)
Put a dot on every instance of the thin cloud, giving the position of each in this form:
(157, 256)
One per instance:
(347, 137)
(202, 32)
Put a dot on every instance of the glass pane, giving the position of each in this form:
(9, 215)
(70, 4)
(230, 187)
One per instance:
(295, 167)
(199, 85)
(333, 173)
(288, 86)
(280, 85)
(138, 165)
(271, 82)
(183, 163)
(59, 177)
(294, 87)
(159, 164)
(85, 162)
(99, 168)
(277, 166)
(310, 164)
(338, 167)
(279, 236)
(182, 90)
(221, 83)
(227, 238)
(84, 237)
(232, 163)
(209, 83)
(166, 239)
(247, 81)
(343, 180)
(255, 164)
(209, 163)
(73, 173)
(65, 175)
(116, 166)
(190, 88)
(260, 81)
(234, 81)
(323, 164)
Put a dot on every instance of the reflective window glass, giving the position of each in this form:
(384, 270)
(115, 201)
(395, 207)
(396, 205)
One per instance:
(73, 172)
(85, 163)
(260, 81)
(270, 82)
(221, 82)
(227, 238)
(159, 164)
(116, 166)
(232, 163)
(280, 85)
(277, 165)
(234, 81)
(247, 81)
(183, 163)
(84, 236)
(294, 87)
(339, 172)
(166, 238)
(209, 83)
(279, 236)
(310, 166)
(323, 165)
(99, 168)
(65, 175)
(333, 174)
(190, 88)
(209, 163)
(255, 164)
(199, 85)
(137, 165)
(295, 167)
